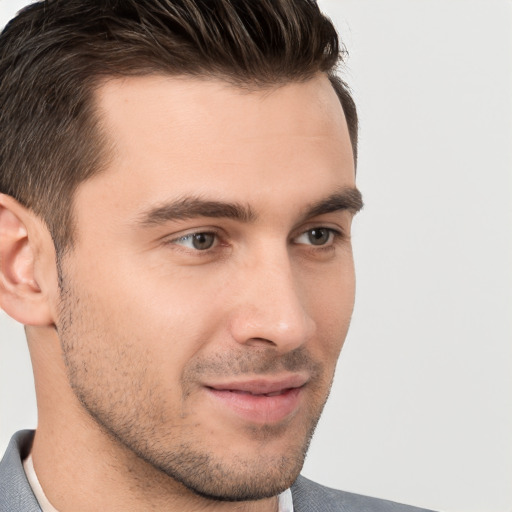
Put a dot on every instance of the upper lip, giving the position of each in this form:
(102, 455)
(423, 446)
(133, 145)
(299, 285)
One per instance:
(261, 386)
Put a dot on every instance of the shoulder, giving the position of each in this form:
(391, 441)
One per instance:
(309, 496)
(15, 492)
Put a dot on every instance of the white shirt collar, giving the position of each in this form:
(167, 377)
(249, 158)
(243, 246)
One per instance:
(45, 505)
(285, 501)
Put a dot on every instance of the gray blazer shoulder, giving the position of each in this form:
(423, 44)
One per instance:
(309, 496)
(16, 494)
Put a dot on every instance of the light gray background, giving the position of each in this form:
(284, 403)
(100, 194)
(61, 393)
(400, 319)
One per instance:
(421, 411)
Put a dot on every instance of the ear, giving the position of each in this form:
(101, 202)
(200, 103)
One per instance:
(21, 296)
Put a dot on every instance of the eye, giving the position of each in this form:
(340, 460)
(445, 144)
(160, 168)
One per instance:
(316, 236)
(197, 241)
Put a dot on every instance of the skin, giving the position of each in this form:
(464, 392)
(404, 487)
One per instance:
(134, 353)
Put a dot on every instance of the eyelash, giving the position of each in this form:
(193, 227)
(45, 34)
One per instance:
(335, 236)
(190, 236)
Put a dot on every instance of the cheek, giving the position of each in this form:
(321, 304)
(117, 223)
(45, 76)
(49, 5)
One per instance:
(154, 298)
(330, 303)
(123, 325)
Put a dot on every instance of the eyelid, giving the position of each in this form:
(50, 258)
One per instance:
(335, 229)
(189, 234)
(337, 234)
(334, 235)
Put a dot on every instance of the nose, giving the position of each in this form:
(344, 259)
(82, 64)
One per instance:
(271, 306)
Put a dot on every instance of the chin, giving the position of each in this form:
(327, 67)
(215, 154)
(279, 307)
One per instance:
(268, 469)
(249, 482)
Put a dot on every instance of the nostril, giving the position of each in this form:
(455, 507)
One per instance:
(254, 342)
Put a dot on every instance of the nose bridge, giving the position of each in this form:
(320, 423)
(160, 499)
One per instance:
(271, 305)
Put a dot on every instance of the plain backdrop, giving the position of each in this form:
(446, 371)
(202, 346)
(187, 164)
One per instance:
(421, 410)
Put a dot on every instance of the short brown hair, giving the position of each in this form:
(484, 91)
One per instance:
(55, 53)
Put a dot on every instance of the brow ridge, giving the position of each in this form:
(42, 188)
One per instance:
(190, 207)
(347, 198)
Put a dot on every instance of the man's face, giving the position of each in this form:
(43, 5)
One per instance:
(211, 284)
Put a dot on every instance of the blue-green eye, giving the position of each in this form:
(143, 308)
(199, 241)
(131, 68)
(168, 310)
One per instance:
(198, 241)
(316, 236)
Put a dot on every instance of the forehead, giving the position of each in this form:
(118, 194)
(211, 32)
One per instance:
(151, 98)
(173, 137)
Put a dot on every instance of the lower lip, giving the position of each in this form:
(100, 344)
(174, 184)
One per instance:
(259, 408)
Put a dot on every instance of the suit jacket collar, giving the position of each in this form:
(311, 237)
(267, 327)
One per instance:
(15, 492)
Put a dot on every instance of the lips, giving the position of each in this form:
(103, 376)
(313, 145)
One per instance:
(260, 400)
(262, 386)
(275, 393)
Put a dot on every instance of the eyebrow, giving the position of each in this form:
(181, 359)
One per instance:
(191, 207)
(347, 198)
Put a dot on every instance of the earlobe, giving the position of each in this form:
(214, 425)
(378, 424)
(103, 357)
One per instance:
(21, 297)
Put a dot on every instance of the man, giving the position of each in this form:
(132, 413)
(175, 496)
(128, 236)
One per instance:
(177, 189)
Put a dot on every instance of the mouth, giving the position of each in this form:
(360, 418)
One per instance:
(261, 401)
(275, 393)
